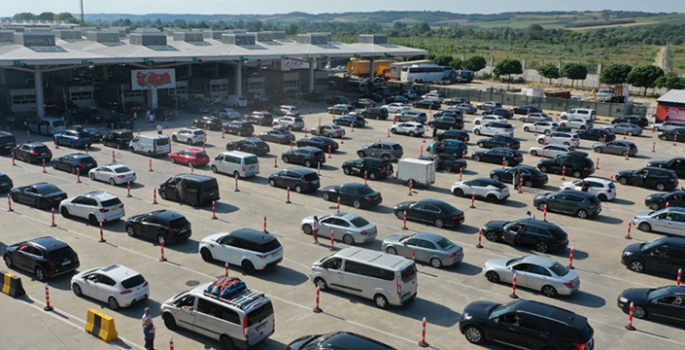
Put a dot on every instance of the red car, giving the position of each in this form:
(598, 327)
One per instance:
(195, 157)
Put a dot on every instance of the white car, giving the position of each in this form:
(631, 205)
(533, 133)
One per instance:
(604, 189)
(96, 206)
(489, 118)
(433, 96)
(409, 93)
(395, 107)
(488, 189)
(584, 113)
(560, 138)
(408, 128)
(494, 128)
(115, 174)
(291, 122)
(349, 228)
(251, 249)
(667, 126)
(577, 123)
(190, 136)
(486, 106)
(535, 117)
(228, 112)
(550, 151)
(541, 127)
(116, 285)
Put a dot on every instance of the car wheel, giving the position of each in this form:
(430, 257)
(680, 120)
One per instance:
(40, 274)
(476, 158)
(526, 129)
(436, 263)
(65, 212)
(391, 251)
(473, 334)
(492, 236)
(477, 131)
(112, 182)
(189, 142)
(639, 312)
(161, 239)
(630, 133)
(458, 192)
(190, 164)
(542, 206)
(298, 188)
(541, 247)
(567, 144)
(577, 173)
(477, 122)
(660, 187)
(438, 223)
(113, 303)
(248, 267)
(361, 154)
(77, 290)
(286, 159)
(602, 197)
(307, 229)
(93, 220)
(492, 276)
(214, 169)
(347, 239)
(491, 198)
(623, 180)
(206, 255)
(130, 231)
(320, 284)
(381, 301)
(272, 183)
(174, 138)
(399, 215)
(91, 176)
(447, 168)
(643, 226)
(654, 206)
(598, 150)
(528, 183)
(582, 213)
(330, 135)
(308, 164)
(357, 204)
(8, 261)
(636, 266)
(481, 145)
(372, 176)
(169, 321)
(226, 343)
(549, 291)
(394, 131)
(534, 153)
(326, 196)
(541, 141)
(72, 144)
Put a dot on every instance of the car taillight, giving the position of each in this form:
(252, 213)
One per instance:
(586, 168)
(673, 180)
(243, 168)
(145, 284)
(261, 256)
(453, 255)
(455, 217)
(305, 181)
(170, 230)
(399, 287)
(364, 233)
(580, 346)
(516, 158)
(104, 210)
(78, 139)
(34, 153)
(593, 204)
(368, 199)
(81, 165)
(568, 285)
(128, 291)
(245, 327)
(53, 263)
(120, 176)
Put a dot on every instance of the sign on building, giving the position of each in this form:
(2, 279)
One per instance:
(293, 64)
(148, 79)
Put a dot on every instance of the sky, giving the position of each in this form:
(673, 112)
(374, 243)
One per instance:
(10, 7)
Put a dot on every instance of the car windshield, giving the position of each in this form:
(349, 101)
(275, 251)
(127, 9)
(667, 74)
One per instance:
(122, 169)
(445, 244)
(650, 245)
(508, 225)
(251, 160)
(268, 246)
(559, 269)
(61, 253)
(359, 222)
(501, 310)
(126, 135)
(133, 281)
(180, 222)
(658, 292)
(111, 202)
(163, 141)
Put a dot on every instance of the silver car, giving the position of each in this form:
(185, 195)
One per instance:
(465, 108)
(489, 189)
(550, 151)
(291, 122)
(625, 129)
(534, 272)
(428, 247)
(616, 147)
(349, 228)
(669, 220)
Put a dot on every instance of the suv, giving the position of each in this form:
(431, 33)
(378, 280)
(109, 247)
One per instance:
(96, 206)
(411, 116)
(577, 123)
(288, 109)
(119, 138)
(251, 249)
(560, 138)
(73, 138)
(579, 203)
(494, 128)
(659, 178)
(260, 118)
(640, 120)
(584, 113)
(603, 188)
(239, 127)
(375, 168)
(382, 149)
(299, 179)
(599, 135)
(32, 152)
(291, 122)
(7, 142)
(676, 164)
(447, 122)
(526, 324)
(577, 164)
(308, 156)
(45, 256)
(190, 136)
(6, 182)
(164, 226)
(664, 255)
(375, 113)
(341, 109)
(209, 122)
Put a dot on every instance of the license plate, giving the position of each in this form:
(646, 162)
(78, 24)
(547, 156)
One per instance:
(115, 209)
(43, 154)
(3, 184)
(183, 230)
(58, 198)
(65, 263)
(260, 327)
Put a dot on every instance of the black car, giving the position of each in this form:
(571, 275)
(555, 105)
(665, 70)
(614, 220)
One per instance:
(375, 113)
(658, 201)
(593, 134)
(349, 120)
(45, 257)
(439, 213)
(639, 120)
(578, 203)
(163, 114)
(95, 134)
(374, 168)
(298, 179)
(75, 163)
(577, 164)
(525, 324)
(427, 104)
(32, 152)
(456, 101)
(121, 121)
(531, 176)
(161, 225)
(447, 162)
(649, 177)
(451, 112)
(260, 118)
(90, 116)
(335, 100)
(239, 127)
(6, 182)
(251, 145)
(40, 195)
(118, 138)
(397, 99)
(677, 135)
(209, 122)
(499, 155)
(526, 109)
(7, 142)
(357, 195)
(499, 141)
(109, 104)
(319, 142)
(665, 256)
(307, 156)
(676, 164)
(663, 304)
(501, 112)
(279, 135)
(336, 341)
(447, 123)
(363, 103)
(543, 236)
(460, 135)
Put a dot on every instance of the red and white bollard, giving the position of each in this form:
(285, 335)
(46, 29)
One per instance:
(317, 309)
(480, 239)
(543, 154)
(570, 259)
(265, 231)
(223, 133)
(150, 165)
(9, 203)
(630, 227)
(628, 154)
(102, 234)
(171, 343)
(166, 123)
(473, 200)
(226, 270)
(625, 135)
(47, 307)
(461, 173)
(236, 185)
(13, 162)
(653, 146)
(332, 248)
(513, 289)
(680, 276)
(653, 127)
(423, 342)
(53, 217)
(330, 151)
(675, 140)
(421, 152)
(366, 177)
(319, 121)
(44, 171)
(463, 155)
(544, 141)
(114, 158)
(597, 167)
(214, 210)
(352, 127)
(154, 196)
(413, 255)
(338, 206)
(275, 161)
(504, 162)
(291, 145)
(204, 144)
(56, 143)
(667, 205)
(521, 185)
(86, 149)
(318, 168)
(128, 189)
(612, 178)
(138, 131)
(630, 317)
(78, 175)
(388, 132)
(404, 220)
(411, 187)
(544, 213)
(424, 138)
(305, 133)
(563, 172)
(161, 249)
(287, 196)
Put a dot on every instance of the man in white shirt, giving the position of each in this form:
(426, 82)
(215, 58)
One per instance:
(147, 315)
(159, 129)
(531, 215)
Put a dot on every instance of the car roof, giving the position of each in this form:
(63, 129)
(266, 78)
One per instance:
(549, 311)
(311, 149)
(193, 150)
(428, 236)
(253, 236)
(387, 143)
(116, 165)
(673, 209)
(78, 155)
(538, 260)
(578, 154)
(166, 214)
(118, 272)
(34, 144)
(196, 177)
(49, 243)
(101, 195)
(598, 179)
(303, 171)
(349, 340)
(539, 223)
(576, 192)
(354, 185)
(346, 216)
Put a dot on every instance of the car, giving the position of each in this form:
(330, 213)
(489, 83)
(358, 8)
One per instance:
(624, 129)
(345, 227)
(530, 176)
(32, 152)
(120, 121)
(669, 220)
(585, 113)
(325, 144)
(444, 122)
(163, 113)
(360, 196)
(337, 100)
(543, 127)
(676, 135)
(499, 141)
(535, 117)
(525, 324)
(560, 138)
(453, 147)
(398, 99)
(115, 174)
(494, 128)
(488, 189)
(486, 106)
(90, 116)
(299, 179)
(543, 236)
(341, 109)
(433, 95)
(499, 155)
(363, 103)
(239, 127)
(408, 128)
(427, 104)
(534, 272)
(329, 130)
(46, 125)
(662, 304)
(164, 226)
(489, 118)
(453, 134)
(118, 138)
(75, 163)
(40, 195)
(7, 142)
(620, 147)
(260, 118)
(676, 164)
(45, 257)
(604, 189)
(581, 204)
(409, 93)
(208, 122)
(576, 164)
(375, 113)
(252, 250)
(669, 125)
(550, 151)
(95, 134)
(456, 101)
(430, 248)
(193, 157)
(73, 138)
(250, 145)
(369, 167)
(308, 156)
(6, 183)
(190, 136)
(116, 285)
(433, 211)
(577, 123)
(664, 256)
(339, 340)
(649, 177)
(382, 149)
(638, 120)
(227, 114)
(658, 201)
(290, 122)
(447, 162)
(505, 113)
(289, 109)
(596, 134)
(278, 135)
(411, 116)
(465, 108)
(395, 107)
(351, 119)
(450, 112)
(526, 109)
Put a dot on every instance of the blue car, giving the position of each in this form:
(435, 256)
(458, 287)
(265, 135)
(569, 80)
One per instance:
(350, 119)
(454, 147)
(74, 138)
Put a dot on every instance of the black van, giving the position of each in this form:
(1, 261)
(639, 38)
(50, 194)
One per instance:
(197, 189)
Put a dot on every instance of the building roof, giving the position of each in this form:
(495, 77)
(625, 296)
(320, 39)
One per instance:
(672, 96)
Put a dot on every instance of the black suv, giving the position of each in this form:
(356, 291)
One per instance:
(426, 104)
(307, 156)
(664, 256)
(7, 142)
(6, 182)
(161, 225)
(595, 134)
(577, 165)
(375, 168)
(460, 135)
(531, 176)
(656, 201)
(75, 162)
(375, 113)
(447, 122)
(251, 145)
(652, 177)
(298, 179)
(119, 138)
(543, 236)
(239, 127)
(209, 122)
(499, 141)
(447, 162)
(639, 120)
(676, 164)
(32, 152)
(526, 324)
(45, 257)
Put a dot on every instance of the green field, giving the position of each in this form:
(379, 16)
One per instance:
(677, 59)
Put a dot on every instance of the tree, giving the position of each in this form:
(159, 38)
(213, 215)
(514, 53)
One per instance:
(431, 56)
(24, 16)
(549, 71)
(644, 76)
(456, 64)
(616, 73)
(574, 71)
(474, 63)
(46, 16)
(670, 80)
(291, 29)
(443, 60)
(508, 66)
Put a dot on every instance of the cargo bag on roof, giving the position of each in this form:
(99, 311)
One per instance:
(226, 288)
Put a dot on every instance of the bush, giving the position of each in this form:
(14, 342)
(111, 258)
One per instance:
(520, 80)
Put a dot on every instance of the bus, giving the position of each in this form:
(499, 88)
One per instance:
(425, 73)
(396, 67)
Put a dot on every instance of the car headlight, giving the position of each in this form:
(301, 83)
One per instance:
(623, 300)
(627, 253)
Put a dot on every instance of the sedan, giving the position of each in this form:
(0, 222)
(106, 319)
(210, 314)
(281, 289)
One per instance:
(456, 101)
(535, 117)
(445, 122)
(278, 135)
(499, 155)
(526, 109)
(363, 103)
(486, 106)
(599, 135)
(340, 109)
(408, 128)
(325, 144)
(664, 303)
(252, 145)
(427, 104)
(453, 134)
(625, 129)
(330, 130)
(504, 113)
(541, 235)
(466, 108)
(581, 204)
(193, 157)
(623, 148)
(345, 227)
(430, 248)
(357, 195)
(77, 163)
(499, 141)
(39, 195)
(550, 151)
(531, 176)
(396, 107)
(115, 174)
(208, 122)
(336, 340)
(350, 120)
(668, 220)
(490, 190)
(577, 123)
(432, 211)
(116, 285)
(238, 127)
(533, 272)
(658, 201)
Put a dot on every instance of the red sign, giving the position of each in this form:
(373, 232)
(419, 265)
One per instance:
(670, 113)
(153, 79)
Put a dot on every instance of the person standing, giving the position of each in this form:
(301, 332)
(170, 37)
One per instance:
(135, 116)
(517, 179)
(435, 132)
(159, 129)
(315, 229)
(149, 334)
(180, 191)
(530, 215)
(147, 315)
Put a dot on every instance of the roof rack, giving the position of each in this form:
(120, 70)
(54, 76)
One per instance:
(240, 300)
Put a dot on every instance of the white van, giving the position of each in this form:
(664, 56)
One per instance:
(235, 101)
(238, 164)
(46, 126)
(152, 145)
(383, 278)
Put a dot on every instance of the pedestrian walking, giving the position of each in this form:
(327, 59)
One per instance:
(150, 117)
(149, 334)
(315, 230)
(531, 215)
(135, 116)
(517, 179)
(159, 129)
(435, 132)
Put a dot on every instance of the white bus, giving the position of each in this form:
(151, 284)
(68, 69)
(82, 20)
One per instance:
(396, 68)
(425, 73)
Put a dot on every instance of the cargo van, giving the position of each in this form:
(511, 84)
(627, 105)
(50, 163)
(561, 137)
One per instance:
(235, 101)
(46, 126)
(152, 145)
(236, 163)
(197, 189)
(386, 279)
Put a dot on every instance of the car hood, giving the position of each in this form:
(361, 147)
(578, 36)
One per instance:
(568, 184)
(393, 239)
(83, 273)
(657, 164)
(625, 172)
(497, 262)
(496, 225)
(643, 215)
(310, 218)
(541, 196)
(403, 205)
(214, 237)
(478, 309)
(329, 188)
(635, 294)
(633, 248)
(300, 342)
(655, 197)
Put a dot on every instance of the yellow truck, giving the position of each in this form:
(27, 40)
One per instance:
(362, 68)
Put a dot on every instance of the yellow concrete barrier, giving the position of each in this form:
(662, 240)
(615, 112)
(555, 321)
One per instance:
(101, 325)
(11, 285)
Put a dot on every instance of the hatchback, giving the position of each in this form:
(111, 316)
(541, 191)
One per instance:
(533, 272)
(530, 176)
(357, 195)
(45, 257)
(541, 235)
(668, 220)
(32, 152)
(499, 155)
(76, 163)
(209, 122)
(581, 204)
(298, 179)
(116, 285)
(430, 248)
(238, 127)
(307, 156)
(192, 157)
(345, 227)
(603, 188)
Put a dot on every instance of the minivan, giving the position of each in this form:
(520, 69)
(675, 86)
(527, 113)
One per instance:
(46, 125)
(386, 279)
(236, 163)
(225, 310)
(152, 145)
(584, 113)
(235, 101)
(197, 189)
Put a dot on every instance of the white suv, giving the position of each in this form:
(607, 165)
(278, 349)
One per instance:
(190, 136)
(251, 249)
(560, 138)
(577, 123)
(541, 127)
(291, 122)
(96, 207)
(494, 128)
(603, 188)
(489, 118)
(584, 113)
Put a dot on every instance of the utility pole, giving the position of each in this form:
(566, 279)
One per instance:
(83, 22)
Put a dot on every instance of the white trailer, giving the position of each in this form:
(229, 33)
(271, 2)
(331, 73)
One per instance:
(416, 171)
